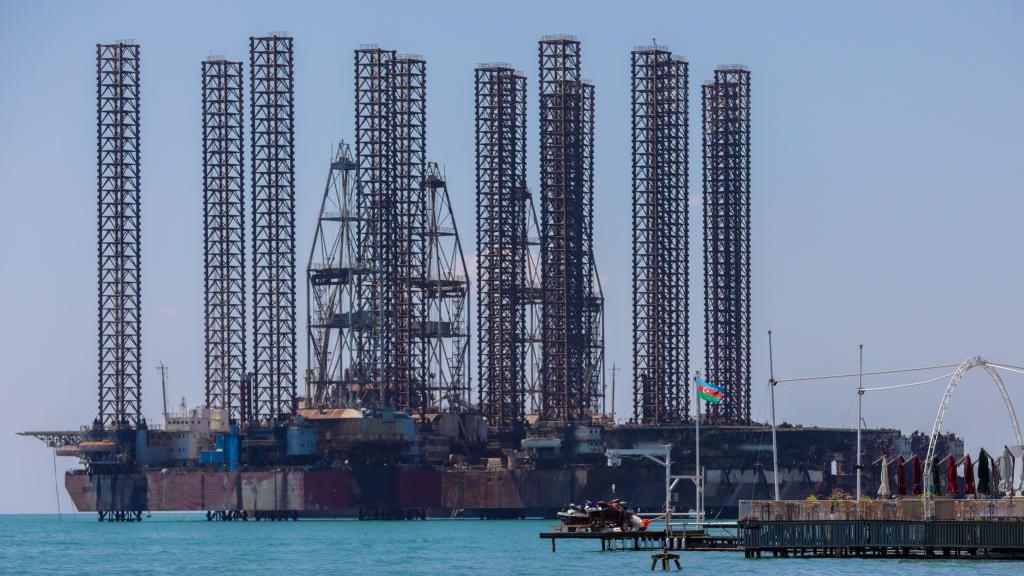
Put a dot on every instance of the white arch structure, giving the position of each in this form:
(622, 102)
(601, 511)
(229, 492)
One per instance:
(974, 362)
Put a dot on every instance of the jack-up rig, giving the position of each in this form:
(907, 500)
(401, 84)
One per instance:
(387, 422)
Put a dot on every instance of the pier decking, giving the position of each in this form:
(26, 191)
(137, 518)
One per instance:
(722, 537)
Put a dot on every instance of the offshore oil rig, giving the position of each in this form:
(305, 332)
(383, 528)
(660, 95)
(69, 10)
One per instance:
(387, 422)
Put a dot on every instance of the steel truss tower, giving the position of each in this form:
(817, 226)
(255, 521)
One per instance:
(501, 244)
(411, 348)
(445, 287)
(224, 234)
(410, 151)
(660, 231)
(332, 274)
(567, 271)
(726, 143)
(119, 233)
(378, 225)
(594, 311)
(272, 104)
(534, 297)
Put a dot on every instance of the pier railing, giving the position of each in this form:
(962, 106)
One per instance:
(905, 509)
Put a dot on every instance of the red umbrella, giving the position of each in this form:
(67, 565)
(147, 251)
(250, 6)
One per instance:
(968, 475)
(918, 473)
(901, 476)
(950, 475)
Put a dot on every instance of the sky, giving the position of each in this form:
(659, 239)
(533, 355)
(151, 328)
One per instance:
(887, 185)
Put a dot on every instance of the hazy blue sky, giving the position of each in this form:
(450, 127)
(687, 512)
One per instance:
(887, 183)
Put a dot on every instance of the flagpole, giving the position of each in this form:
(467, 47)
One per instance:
(700, 477)
(860, 413)
(775, 445)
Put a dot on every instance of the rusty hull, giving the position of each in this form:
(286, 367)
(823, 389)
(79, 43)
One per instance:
(435, 492)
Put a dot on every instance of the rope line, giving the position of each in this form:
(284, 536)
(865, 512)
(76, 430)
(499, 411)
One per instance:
(922, 382)
(1016, 369)
(856, 374)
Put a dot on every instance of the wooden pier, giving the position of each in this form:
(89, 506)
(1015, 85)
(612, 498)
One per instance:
(908, 528)
(723, 537)
(883, 539)
(884, 529)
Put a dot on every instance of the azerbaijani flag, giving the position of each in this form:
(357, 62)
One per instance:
(709, 392)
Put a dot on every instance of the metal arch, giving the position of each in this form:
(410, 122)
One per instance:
(968, 364)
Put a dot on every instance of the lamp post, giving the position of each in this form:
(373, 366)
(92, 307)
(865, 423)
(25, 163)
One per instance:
(661, 455)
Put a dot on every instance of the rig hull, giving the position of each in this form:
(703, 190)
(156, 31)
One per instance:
(392, 493)
(736, 460)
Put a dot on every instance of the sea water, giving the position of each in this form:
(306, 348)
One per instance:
(186, 544)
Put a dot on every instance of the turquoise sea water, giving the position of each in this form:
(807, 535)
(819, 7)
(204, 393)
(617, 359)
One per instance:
(187, 544)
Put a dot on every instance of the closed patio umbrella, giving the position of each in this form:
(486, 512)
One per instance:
(918, 477)
(936, 486)
(950, 475)
(968, 475)
(901, 476)
(984, 473)
(883, 486)
(1006, 471)
(996, 481)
